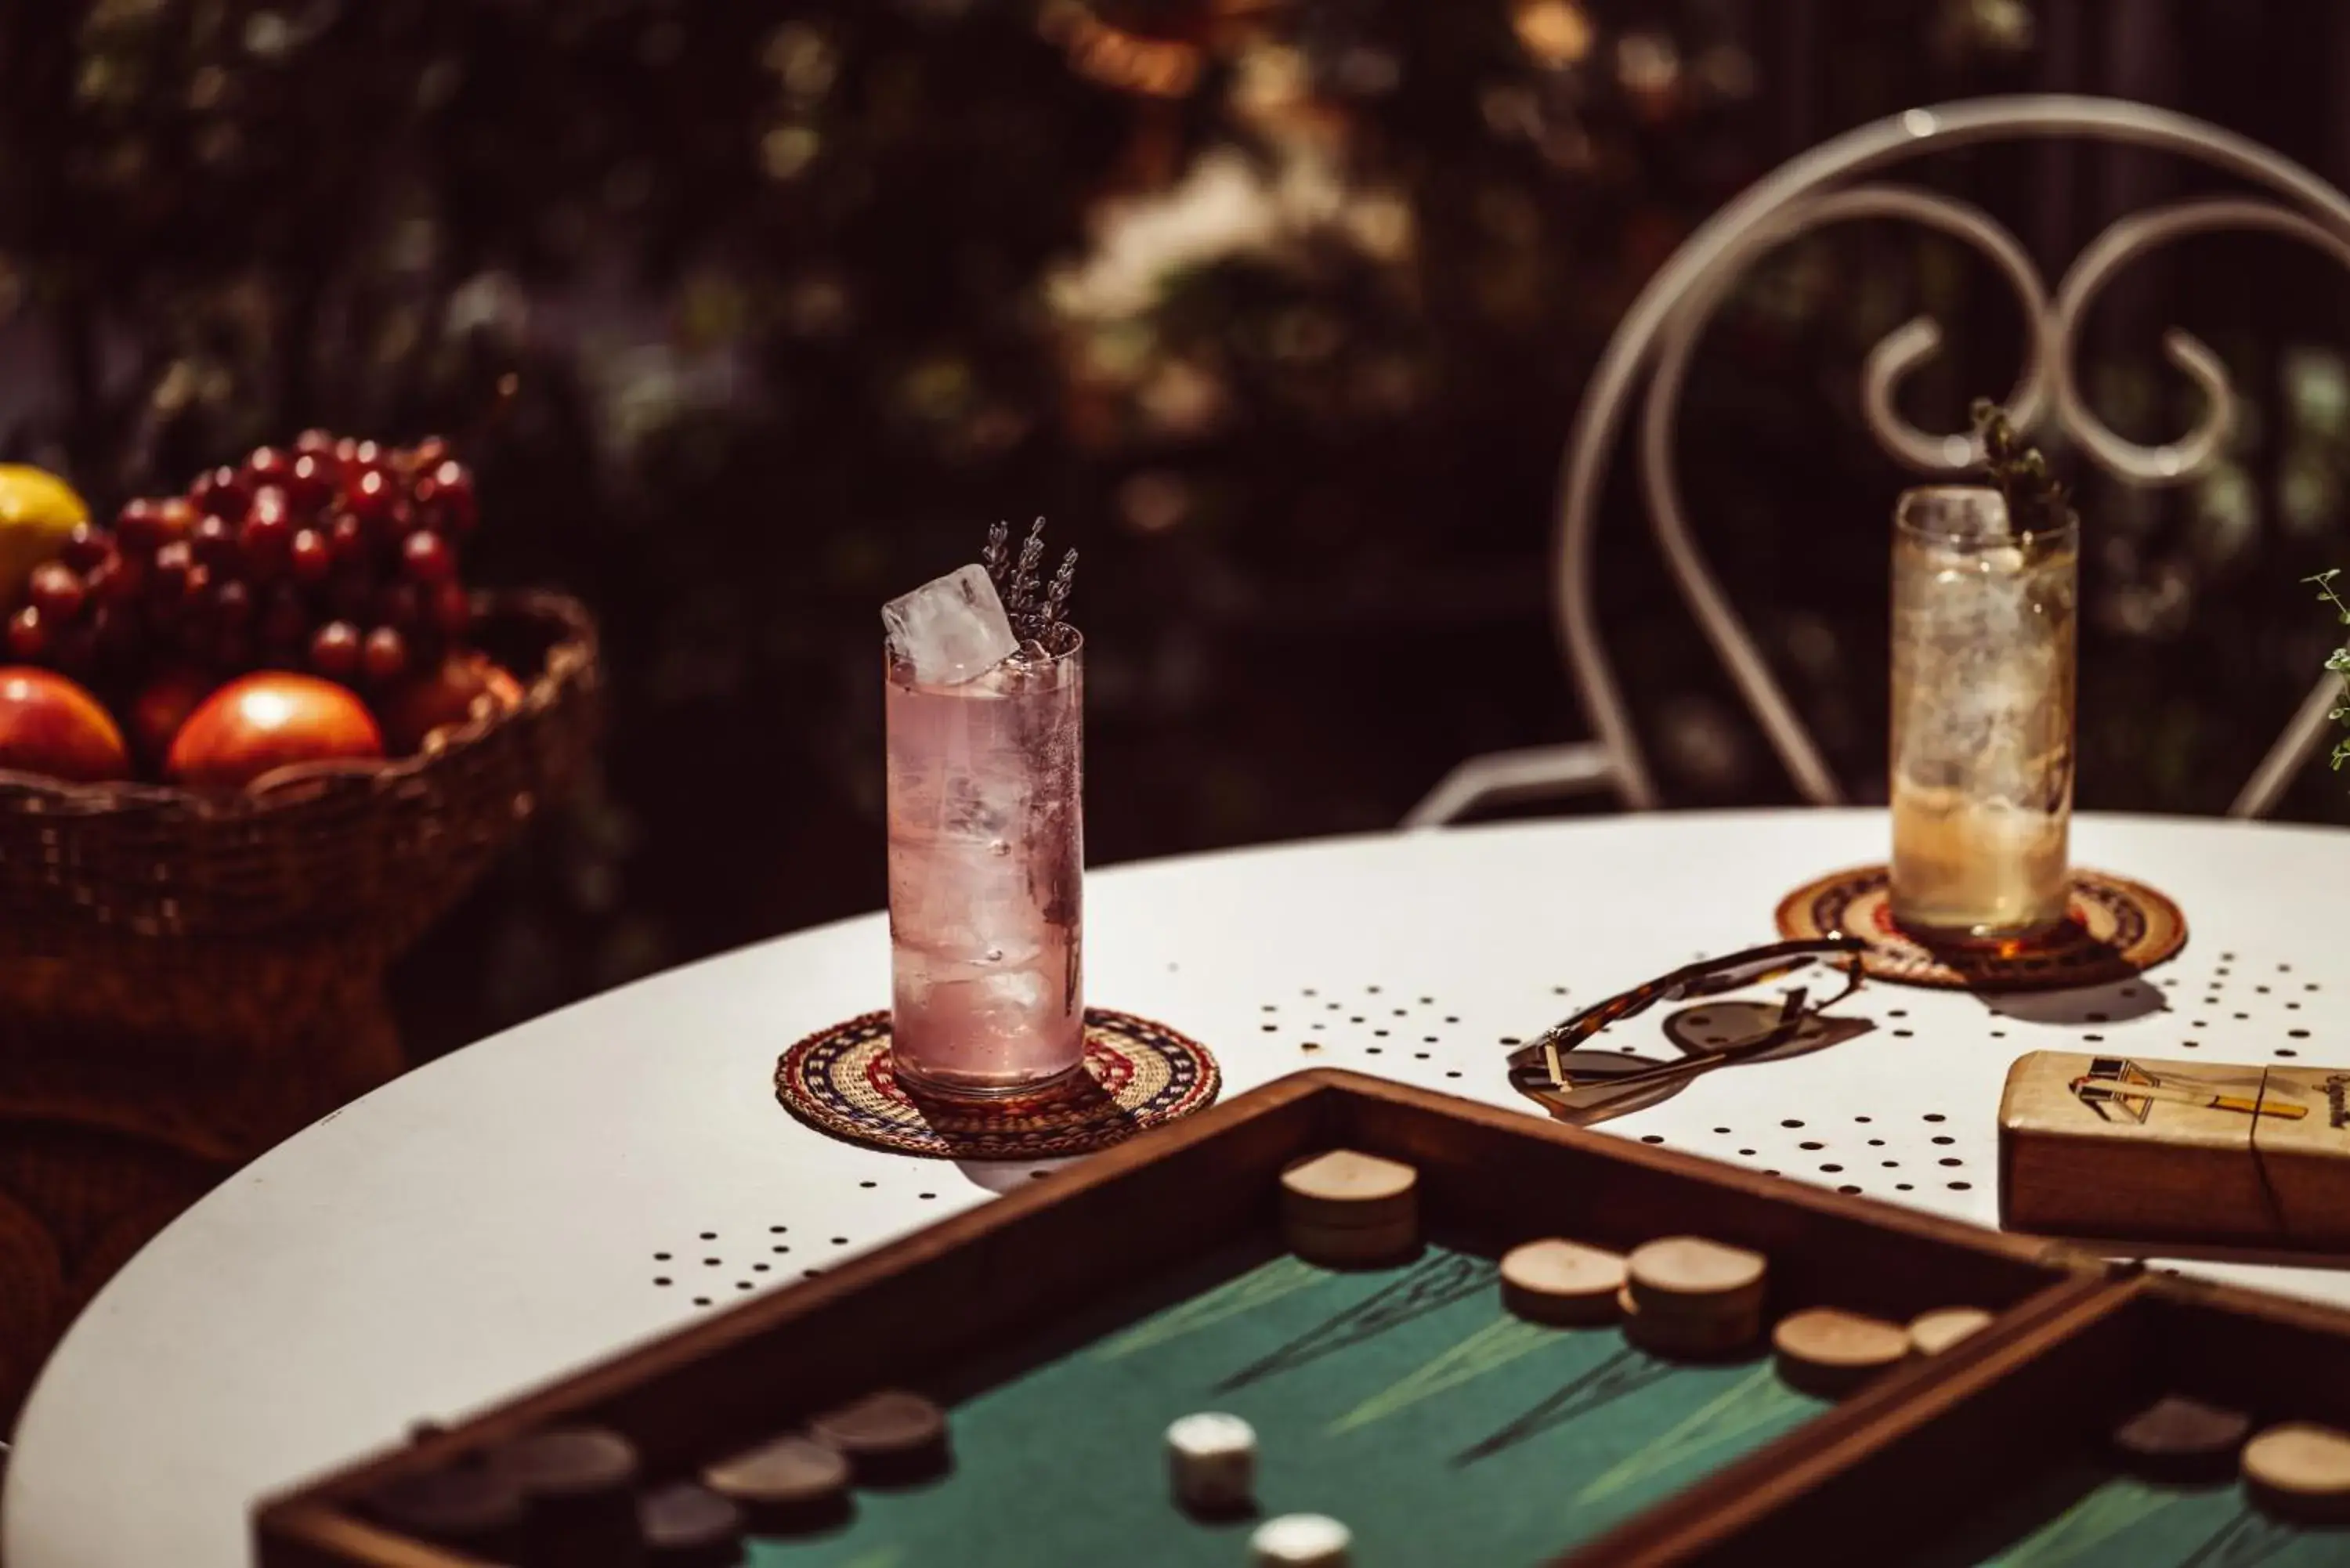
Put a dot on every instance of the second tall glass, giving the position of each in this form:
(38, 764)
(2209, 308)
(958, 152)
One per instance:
(1982, 716)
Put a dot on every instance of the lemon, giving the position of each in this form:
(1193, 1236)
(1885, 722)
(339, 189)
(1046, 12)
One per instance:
(38, 511)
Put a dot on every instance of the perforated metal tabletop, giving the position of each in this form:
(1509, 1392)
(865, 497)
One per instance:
(609, 1171)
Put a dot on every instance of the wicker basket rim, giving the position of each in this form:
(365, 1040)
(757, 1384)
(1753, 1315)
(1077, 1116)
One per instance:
(568, 658)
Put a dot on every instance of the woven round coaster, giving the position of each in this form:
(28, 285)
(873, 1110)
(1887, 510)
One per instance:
(1139, 1075)
(2115, 929)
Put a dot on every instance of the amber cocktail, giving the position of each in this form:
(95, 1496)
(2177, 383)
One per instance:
(1982, 717)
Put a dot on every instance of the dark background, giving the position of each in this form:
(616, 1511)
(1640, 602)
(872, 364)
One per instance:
(1279, 309)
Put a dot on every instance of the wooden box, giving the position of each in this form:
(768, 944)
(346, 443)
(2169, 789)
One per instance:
(2205, 1153)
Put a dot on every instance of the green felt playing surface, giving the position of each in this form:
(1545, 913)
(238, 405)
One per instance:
(2087, 1516)
(1406, 1402)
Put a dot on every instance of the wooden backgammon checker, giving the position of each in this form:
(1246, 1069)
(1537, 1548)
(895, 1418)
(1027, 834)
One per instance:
(1037, 1353)
(1139, 1075)
(2117, 930)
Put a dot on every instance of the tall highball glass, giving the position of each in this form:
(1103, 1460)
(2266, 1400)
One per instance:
(1982, 717)
(986, 877)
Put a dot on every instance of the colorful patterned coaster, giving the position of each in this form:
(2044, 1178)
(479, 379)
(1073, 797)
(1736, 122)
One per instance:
(2115, 929)
(1139, 1075)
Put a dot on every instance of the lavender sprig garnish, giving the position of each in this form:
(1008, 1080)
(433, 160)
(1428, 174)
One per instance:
(1022, 603)
(1056, 593)
(1035, 607)
(997, 556)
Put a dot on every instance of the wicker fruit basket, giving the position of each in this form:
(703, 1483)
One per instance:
(185, 979)
(136, 909)
(365, 853)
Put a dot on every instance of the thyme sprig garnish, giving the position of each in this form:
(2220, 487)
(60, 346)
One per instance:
(2338, 661)
(2037, 502)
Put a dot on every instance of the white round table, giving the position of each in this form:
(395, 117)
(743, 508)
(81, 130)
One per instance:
(605, 1173)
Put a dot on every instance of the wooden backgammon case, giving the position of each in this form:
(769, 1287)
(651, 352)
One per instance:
(1009, 1314)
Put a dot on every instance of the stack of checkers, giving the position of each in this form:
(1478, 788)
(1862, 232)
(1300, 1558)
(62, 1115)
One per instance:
(573, 1496)
(799, 1482)
(1345, 1210)
(1688, 1297)
(565, 1495)
(2297, 1471)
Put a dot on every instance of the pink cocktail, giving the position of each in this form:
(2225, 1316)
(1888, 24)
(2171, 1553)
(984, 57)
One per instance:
(986, 874)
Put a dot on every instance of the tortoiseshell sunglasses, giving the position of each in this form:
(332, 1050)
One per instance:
(1536, 1065)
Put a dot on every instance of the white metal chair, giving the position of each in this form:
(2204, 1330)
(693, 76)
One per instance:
(1833, 183)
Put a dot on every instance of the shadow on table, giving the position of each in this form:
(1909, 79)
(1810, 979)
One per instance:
(2081, 1007)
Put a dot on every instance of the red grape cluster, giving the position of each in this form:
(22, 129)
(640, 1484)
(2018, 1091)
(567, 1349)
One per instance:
(338, 556)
